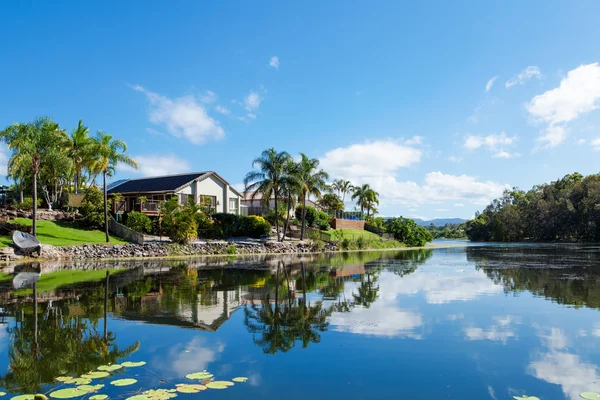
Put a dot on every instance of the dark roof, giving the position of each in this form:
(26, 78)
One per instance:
(114, 184)
(167, 183)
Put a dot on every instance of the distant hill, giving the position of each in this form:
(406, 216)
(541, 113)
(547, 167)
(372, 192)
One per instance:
(439, 221)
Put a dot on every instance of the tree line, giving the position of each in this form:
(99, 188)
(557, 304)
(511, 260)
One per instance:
(567, 209)
(44, 156)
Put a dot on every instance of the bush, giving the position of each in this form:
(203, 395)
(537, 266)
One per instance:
(361, 242)
(230, 224)
(138, 222)
(311, 215)
(322, 220)
(179, 221)
(281, 214)
(407, 231)
(27, 204)
(231, 249)
(255, 226)
(92, 208)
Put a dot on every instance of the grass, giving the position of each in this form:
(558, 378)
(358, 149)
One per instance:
(58, 279)
(62, 234)
(352, 234)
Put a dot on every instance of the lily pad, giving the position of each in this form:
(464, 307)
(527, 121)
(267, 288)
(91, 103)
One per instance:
(99, 397)
(68, 393)
(2, 394)
(123, 382)
(199, 376)
(224, 383)
(130, 364)
(185, 388)
(240, 379)
(90, 388)
(160, 394)
(139, 397)
(63, 378)
(590, 395)
(78, 381)
(109, 368)
(524, 397)
(95, 375)
(24, 397)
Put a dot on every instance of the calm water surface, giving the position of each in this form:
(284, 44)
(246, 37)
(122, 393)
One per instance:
(473, 322)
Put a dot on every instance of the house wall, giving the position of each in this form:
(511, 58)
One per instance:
(338, 223)
(212, 186)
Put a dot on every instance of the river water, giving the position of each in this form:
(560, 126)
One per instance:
(466, 322)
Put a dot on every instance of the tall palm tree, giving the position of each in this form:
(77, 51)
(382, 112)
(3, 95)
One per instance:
(290, 190)
(365, 197)
(31, 143)
(312, 182)
(268, 179)
(344, 187)
(81, 147)
(110, 152)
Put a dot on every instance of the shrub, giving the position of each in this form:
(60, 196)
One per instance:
(255, 226)
(281, 214)
(179, 221)
(407, 231)
(361, 243)
(311, 215)
(92, 208)
(27, 204)
(230, 224)
(139, 222)
(321, 220)
(345, 244)
(231, 249)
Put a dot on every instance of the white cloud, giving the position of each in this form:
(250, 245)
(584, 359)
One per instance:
(490, 83)
(155, 165)
(459, 205)
(377, 163)
(208, 97)
(274, 62)
(3, 160)
(251, 115)
(222, 110)
(194, 356)
(577, 94)
(582, 141)
(500, 331)
(415, 140)
(495, 143)
(455, 159)
(523, 76)
(252, 101)
(182, 117)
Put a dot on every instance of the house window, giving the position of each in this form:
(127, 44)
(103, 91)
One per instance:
(233, 205)
(208, 203)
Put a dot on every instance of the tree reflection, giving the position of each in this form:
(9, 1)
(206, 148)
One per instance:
(51, 340)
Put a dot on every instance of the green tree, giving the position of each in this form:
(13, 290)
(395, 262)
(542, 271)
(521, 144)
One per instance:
(407, 231)
(290, 190)
(34, 143)
(269, 178)
(109, 153)
(332, 203)
(81, 151)
(312, 182)
(365, 197)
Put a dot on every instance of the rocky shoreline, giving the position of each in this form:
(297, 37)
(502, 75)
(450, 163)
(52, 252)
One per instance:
(152, 250)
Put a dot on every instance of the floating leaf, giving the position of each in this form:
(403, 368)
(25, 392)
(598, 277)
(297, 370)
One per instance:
(109, 368)
(24, 397)
(96, 375)
(123, 382)
(160, 394)
(67, 393)
(78, 381)
(590, 395)
(224, 383)
(240, 379)
(139, 397)
(63, 378)
(99, 397)
(185, 388)
(2, 394)
(40, 397)
(219, 385)
(524, 397)
(199, 376)
(130, 364)
(90, 388)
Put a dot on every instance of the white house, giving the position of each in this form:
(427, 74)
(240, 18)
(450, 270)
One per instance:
(146, 194)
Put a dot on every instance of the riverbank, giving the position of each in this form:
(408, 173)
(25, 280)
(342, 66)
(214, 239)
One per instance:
(168, 250)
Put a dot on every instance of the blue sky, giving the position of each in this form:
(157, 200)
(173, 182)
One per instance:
(385, 92)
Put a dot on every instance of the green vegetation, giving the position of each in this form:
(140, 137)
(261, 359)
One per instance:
(65, 278)
(313, 218)
(44, 156)
(448, 231)
(366, 198)
(180, 221)
(407, 231)
(92, 208)
(139, 222)
(311, 181)
(566, 210)
(62, 234)
(351, 234)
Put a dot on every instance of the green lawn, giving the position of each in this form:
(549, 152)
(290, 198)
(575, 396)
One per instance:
(59, 279)
(62, 234)
(352, 234)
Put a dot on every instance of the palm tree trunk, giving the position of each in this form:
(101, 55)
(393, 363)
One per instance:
(34, 216)
(277, 217)
(105, 208)
(287, 217)
(21, 191)
(303, 216)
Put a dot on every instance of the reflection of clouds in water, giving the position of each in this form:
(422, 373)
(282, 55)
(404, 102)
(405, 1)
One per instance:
(500, 331)
(254, 379)
(443, 285)
(492, 392)
(382, 318)
(194, 356)
(562, 368)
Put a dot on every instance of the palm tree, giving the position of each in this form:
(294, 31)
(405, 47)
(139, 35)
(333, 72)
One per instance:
(110, 152)
(344, 187)
(365, 197)
(80, 150)
(268, 179)
(290, 189)
(312, 182)
(31, 144)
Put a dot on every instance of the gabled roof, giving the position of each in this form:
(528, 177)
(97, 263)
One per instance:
(165, 184)
(156, 184)
(114, 184)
